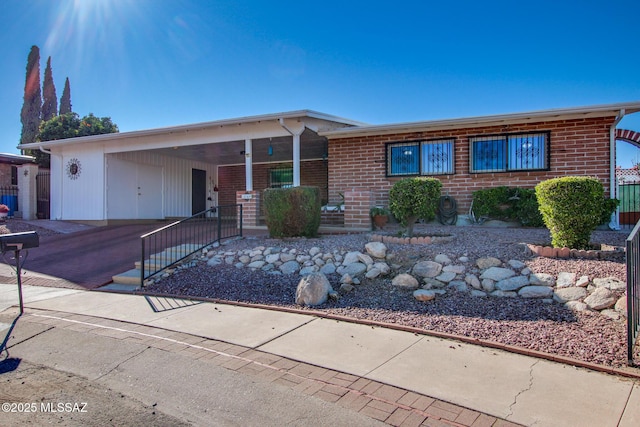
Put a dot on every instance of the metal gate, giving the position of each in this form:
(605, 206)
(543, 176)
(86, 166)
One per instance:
(43, 194)
(629, 208)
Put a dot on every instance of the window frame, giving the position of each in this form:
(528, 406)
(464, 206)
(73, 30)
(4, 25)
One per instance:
(508, 160)
(419, 144)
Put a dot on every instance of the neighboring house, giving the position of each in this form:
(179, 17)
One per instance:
(9, 179)
(9, 168)
(172, 172)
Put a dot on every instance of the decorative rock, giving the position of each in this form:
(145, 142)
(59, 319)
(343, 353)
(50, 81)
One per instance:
(376, 249)
(473, 281)
(351, 258)
(328, 268)
(503, 294)
(406, 281)
(512, 283)
(535, 292)
(518, 265)
(314, 251)
(458, 269)
(365, 259)
(313, 289)
(542, 279)
(583, 281)
(354, 269)
(573, 293)
(427, 269)
(442, 259)
(289, 267)
(373, 273)
(478, 294)
(446, 277)
(497, 273)
(610, 283)
(488, 285)
(459, 286)
(433, 283)
(621, 305)
(271, 258)
(600, 299)
(245, 259)
(307, 270)
(256, 264)
(346, 279)
(525, 271)
(565, 279)
(463, 259)
(424, 295)
(488, 262)
(611, 314)
(285, 257)
(576, 306)
(346, 287)
(214, 261)
(383, 267)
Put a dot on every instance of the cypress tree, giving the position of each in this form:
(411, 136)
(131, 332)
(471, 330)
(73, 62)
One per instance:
(50, 99)
(65, 101)
(32, 105)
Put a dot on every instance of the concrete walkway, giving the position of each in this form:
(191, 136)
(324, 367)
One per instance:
(396, 377)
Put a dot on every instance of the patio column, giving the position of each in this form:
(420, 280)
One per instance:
(296, 160)
(248, 165)
(295, 129)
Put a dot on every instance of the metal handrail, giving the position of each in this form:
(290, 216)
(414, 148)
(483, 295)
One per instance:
(186, 237)
(633, 290)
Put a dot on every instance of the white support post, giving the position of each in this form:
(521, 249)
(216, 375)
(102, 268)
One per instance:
(296, 160)
(248, 165)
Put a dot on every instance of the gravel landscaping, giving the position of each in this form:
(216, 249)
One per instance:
(527, 323)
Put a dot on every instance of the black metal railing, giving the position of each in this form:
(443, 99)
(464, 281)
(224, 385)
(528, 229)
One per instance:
(633, 290)
(167, 246)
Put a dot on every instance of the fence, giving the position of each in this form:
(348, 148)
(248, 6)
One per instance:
(9, 197)
(171, 244)
(43, 194)
(633, 290)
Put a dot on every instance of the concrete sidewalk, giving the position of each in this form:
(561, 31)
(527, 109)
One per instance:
(409, 378)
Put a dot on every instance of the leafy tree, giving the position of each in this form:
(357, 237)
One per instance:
(65, 101)
(50, 100)
(70, 125)
(32, 105)
(411, 199)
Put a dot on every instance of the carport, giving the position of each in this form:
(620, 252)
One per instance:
(176, 171)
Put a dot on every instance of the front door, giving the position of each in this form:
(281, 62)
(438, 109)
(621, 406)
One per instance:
(198, 191)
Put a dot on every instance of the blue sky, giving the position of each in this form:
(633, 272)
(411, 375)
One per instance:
(156, 63)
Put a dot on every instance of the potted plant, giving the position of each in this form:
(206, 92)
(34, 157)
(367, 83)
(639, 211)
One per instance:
(4, 211)
(380, 216)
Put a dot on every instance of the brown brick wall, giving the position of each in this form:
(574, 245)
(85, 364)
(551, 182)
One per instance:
(232, 178)
(577, 147)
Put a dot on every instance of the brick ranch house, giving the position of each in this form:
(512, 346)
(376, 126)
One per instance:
(176, 171)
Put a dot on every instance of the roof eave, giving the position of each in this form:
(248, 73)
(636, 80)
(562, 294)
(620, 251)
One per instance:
(486, 121)
(300, 114)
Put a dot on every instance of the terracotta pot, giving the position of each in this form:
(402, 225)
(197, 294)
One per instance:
(380, 221)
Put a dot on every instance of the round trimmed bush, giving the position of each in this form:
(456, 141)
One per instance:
(571, 207)
(411, 199)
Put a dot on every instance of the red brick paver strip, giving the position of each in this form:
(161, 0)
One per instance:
(389, 404)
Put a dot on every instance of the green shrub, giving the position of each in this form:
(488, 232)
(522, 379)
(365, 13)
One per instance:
(292, 212)
(508, 203)
(572, 207)
(411, 199)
